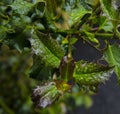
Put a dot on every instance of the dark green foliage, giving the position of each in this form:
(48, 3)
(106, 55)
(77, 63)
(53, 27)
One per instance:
(111, 8)
(15, 84)
(39, 72)
(67, 66)
(46, 48)
(112, 56)
(37, 39)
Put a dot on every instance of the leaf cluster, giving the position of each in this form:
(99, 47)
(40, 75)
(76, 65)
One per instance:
(49, 29)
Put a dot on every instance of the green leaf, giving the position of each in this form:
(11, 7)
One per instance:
(40, 8)
(92, 2)
(46, 48)
(39, 71)
(72, 41)
(76, 11)
(3, 32)
(45, 95)
(91, 37)
(87, 101)
(112, 56)
(108, 26)
(65, 41)
(91, 73)
(51, 6)
(52, 44)
(39, 26)
(67, 66)
(105, 24)
(21, 7)
(111, 8)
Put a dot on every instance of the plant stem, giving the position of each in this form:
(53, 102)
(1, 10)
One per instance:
(5, 107)
(77, 32)
(69, 49)
(104, 35)
(92, 45)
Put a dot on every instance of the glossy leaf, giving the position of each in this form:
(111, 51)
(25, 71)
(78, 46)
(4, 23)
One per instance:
(76, 11)
(71, 41)
(112, 56)
(46, 48)
(21, 6)
(91, 37)
(91, 73)
(111, 8)
(105, 24)
(52, 44)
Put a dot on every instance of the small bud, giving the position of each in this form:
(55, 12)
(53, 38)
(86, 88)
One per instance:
(45, 95)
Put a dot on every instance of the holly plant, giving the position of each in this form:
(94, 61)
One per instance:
(48, 30)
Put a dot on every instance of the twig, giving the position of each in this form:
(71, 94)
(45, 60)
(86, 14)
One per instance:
(92, 45)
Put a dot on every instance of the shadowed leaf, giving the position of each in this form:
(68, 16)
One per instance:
(111, 8)
(47, 49)
(112, 56)
(21, 6)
